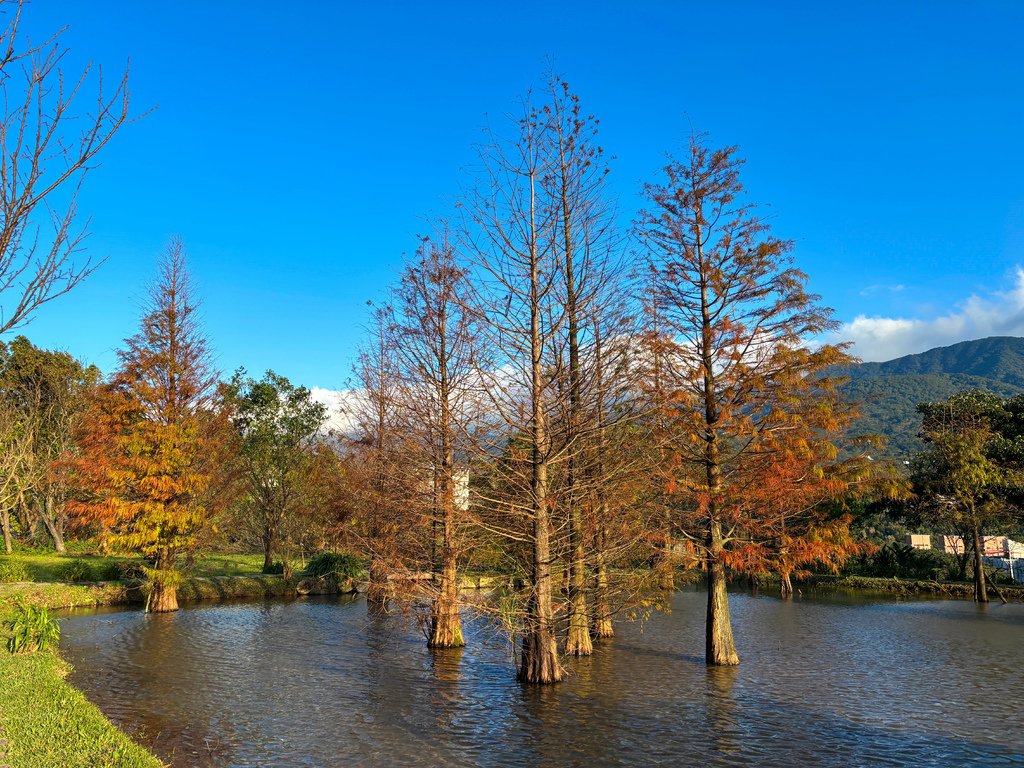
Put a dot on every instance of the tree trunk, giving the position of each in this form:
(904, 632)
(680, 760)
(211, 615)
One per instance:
(577, 639)
(5, 523)
(980, 590)
(539, 662)
(602, 608)
(54, 524)
(377, 589)
(446, 625)
(720, 649)
(163, 596)
(268, 550)
(785, 584)
(666, 569)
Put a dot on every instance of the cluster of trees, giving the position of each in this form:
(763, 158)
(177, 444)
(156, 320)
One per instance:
(548, 392)
(574, 398)
(545, 393)
(969, 480)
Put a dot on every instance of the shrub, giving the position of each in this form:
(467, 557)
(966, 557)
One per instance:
(75, 570)
(334, 565)
(33, 628)
(131, 570)
(12, 571)
(903, 561)
(109, 572)
(274, 568)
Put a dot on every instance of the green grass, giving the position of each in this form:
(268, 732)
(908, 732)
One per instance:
(228, 565)
(49, 723)
(44, 566)
(46, 722)
(57, 595)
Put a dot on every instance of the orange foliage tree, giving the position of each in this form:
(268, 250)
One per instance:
(750, 413)
(153, 437)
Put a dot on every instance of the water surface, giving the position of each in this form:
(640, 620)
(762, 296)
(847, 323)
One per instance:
(829, 681)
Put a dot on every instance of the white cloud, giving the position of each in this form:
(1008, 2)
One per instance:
(1000, 313)
(338, 402)
(876, 288)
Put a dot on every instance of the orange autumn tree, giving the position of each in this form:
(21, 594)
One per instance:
(801, 519)
(150, 442)
(749, 412)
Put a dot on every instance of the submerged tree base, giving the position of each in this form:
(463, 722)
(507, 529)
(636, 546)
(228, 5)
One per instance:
(540, 665)
(446, 629)
(163, 599)
(578, 641)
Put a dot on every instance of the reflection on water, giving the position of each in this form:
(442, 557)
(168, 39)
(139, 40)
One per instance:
(323, 682)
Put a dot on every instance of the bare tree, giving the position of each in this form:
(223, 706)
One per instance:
(49, 143)
(435, 349)
(587, 250)
(509, 240)
(376, 411)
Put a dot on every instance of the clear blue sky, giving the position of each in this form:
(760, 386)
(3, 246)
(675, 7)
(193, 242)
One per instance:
(297, 147)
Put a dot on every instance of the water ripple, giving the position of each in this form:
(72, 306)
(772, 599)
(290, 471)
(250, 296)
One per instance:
(323, 682)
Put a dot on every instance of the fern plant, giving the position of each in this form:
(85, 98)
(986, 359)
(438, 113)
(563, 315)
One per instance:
(33, 628)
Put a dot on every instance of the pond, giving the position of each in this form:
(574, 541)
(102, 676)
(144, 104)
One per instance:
(825, 681)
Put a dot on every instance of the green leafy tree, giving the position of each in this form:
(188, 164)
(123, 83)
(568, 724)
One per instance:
(42, 394)
(968, 475)
(277, 425)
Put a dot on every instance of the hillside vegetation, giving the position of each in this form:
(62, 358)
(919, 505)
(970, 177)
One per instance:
(890, 391)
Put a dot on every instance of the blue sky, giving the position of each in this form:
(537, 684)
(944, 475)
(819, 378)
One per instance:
(298, 147)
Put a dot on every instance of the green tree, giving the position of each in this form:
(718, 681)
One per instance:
(966, 478)
(277, 425)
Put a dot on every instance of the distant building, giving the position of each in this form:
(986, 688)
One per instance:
(991, 546)
(918, 541)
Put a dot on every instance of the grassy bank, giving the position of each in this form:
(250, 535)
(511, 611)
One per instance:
(45, 722)
(30, 565)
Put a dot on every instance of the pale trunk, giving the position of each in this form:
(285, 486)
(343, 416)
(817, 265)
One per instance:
(577, 640)
(785, 584)
(5, 522)
(446, 626)
(980, 588)
(719, 647)
(54, 524)
(539, 662)
(602, 607)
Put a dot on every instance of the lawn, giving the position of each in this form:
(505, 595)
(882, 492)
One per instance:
(45, 722)
(41, 566)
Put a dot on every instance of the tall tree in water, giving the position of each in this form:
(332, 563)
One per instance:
(586, 252)
(437, 362)
(153, 437)
(746, 384)
(376, 412)
(509, 239)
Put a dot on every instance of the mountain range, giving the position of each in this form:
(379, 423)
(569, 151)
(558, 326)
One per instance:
(890, 391)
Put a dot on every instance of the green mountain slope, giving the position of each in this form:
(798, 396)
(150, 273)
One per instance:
(890, 391)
